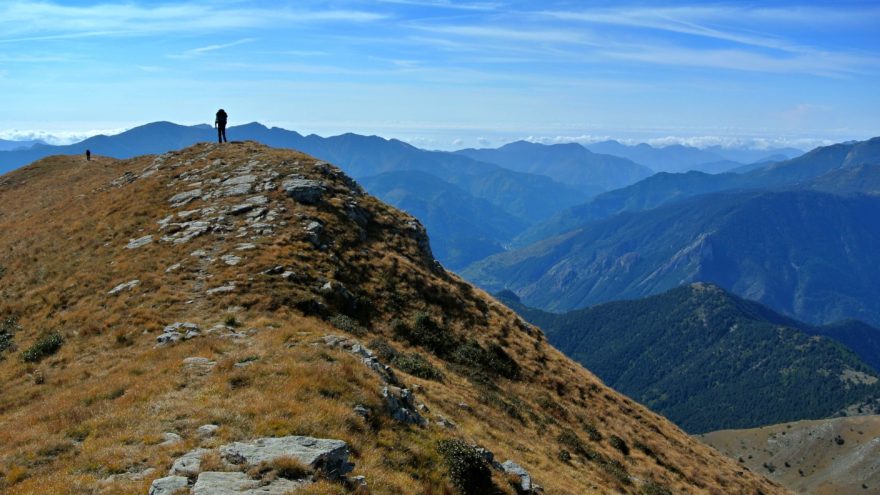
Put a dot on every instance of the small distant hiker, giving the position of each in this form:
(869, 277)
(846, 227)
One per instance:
(220, 124)
(88, 155)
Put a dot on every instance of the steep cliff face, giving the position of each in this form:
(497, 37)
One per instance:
(177, 321)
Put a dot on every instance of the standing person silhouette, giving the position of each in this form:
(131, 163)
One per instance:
(88, 155)
(220, 124)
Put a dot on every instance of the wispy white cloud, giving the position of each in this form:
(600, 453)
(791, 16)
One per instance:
(55, 137)
(562, 36)
(210, 48)
(701, 142)
(447, 4)
(26, 20)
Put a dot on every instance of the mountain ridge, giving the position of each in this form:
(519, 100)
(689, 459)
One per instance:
(238, 286)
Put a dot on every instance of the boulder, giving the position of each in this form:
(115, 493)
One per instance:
(235, 483)
(400, 405)
(171, 438)
(331, 456)
(303, 190)
(168, 485)
(188, 464)
(525, 480)
(207, 431)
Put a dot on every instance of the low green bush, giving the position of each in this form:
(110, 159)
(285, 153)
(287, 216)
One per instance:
(468, 470)
(415, 364)
(46, 346)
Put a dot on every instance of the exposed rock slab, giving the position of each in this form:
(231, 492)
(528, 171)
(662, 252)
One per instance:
(331, 456)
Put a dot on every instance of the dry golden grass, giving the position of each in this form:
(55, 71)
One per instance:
(108, 395)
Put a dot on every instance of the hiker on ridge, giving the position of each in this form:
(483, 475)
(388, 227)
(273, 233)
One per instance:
(220, 124)
(88, 155)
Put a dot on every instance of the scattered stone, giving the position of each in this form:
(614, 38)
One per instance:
(170, 438)
(239, 209)
(186, 214)
(361, 410)
(525, 480)
(207, 431)
(303, 190)
(187, 231)
(465, 407)
(188, 464)
(258, 200)
(173, 268)
(331, 456)
(358, 481)
(168, 486)
(199, 253)
(121, 287)
(289, 276)
(400, 405)
(275, 270)
(245, 246)
(237, 186)
(199, 365)
(223, 289)
(178, 331)
(442, 421)
(185, 197)
(314, 230)
(139, 242)
(231, 259)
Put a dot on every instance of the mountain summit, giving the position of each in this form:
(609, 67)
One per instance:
(242, 319)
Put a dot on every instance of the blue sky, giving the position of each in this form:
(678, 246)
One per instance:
(446, 74)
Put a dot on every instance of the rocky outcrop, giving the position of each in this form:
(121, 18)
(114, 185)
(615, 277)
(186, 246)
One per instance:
(306, 191)
(328, 456)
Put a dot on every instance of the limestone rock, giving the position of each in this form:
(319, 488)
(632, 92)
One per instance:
(525, 480)
(303, 190)
(235, 483)
(121, 287)
(223, 289)
(170, 438)
(231, 259)
(207, 431)
(168, 485)
(185, 197)
(400, 405)
(331, 456)
(139, 242)
(178, 331)
(188, 464)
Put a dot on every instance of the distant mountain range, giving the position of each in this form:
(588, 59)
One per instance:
(807, 254)
(567, 163)
(710, 360)
(6, 145)
(680, 158)
(834, 168)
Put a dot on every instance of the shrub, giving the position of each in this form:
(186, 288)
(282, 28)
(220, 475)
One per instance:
(230, 321)
(619, 444)
(468, 470)
(425, 332)
(46, 346)
(592, 432)
(347, 324)
(290, 468)
(564, 455)
(654, 488)
(383, 349)
(8, 327)
(415, 364)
